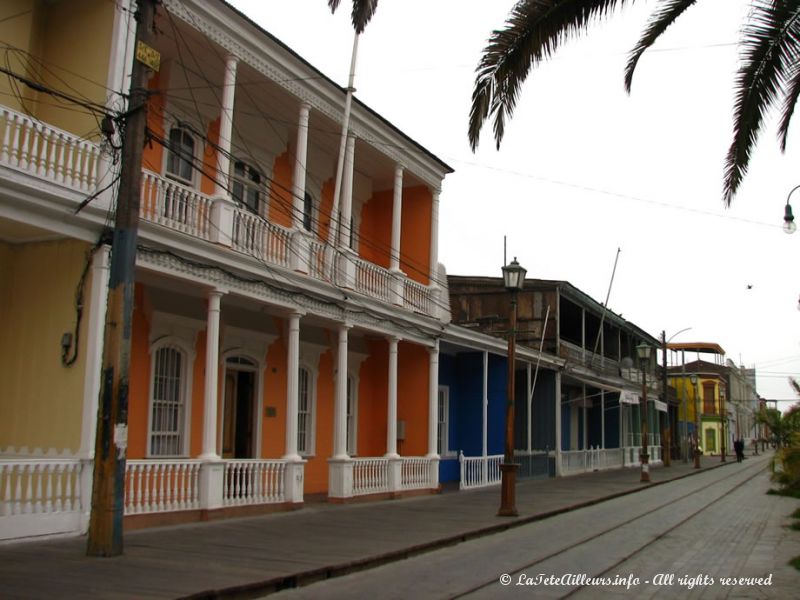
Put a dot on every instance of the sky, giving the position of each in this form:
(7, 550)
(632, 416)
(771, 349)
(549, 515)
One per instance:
(586, 169)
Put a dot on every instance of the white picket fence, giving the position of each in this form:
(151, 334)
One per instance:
(593, 459)
(154, 486)
(479, 471)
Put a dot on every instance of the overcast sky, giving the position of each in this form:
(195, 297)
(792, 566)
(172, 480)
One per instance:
(585, 169)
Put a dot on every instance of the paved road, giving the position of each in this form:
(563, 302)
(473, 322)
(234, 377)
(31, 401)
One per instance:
(717, 524)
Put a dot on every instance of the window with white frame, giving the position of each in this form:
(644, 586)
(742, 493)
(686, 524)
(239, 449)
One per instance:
(246, 186)
(352, 404)
(167, 402)
(305, 412)
(442, 421)
(180, 155)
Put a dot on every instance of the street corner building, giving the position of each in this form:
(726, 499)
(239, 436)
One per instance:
(294, 336)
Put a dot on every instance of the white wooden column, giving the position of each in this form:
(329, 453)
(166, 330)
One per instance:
(209, 451)
(292, 386)
(299, 178)
(222, 187)
(391, 419)
(433, 399)
(485, 403)
(558, 423)
(434, 266)
(340, 401)
(347, 193)
(94, 349)
(397, 213)
(603, 419)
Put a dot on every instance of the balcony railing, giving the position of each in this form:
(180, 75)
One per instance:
(48, 153)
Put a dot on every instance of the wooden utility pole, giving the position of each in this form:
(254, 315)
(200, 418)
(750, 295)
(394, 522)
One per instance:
(108, 492)
(666, 434)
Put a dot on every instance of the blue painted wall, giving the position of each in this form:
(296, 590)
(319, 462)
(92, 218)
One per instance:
(463, 375)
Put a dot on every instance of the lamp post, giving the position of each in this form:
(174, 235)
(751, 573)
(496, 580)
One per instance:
(723, 417)
(693, 379)
(643, 352)
(513, 280)
(788, 218)
(668, 426)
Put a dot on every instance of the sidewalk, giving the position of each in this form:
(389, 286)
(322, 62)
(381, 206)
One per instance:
(240, 558)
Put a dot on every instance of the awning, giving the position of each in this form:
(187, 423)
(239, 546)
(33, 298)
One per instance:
(662, 406)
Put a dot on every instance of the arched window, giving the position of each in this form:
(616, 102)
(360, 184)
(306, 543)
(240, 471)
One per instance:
(180, 155)
(246, 186)
(167, 402)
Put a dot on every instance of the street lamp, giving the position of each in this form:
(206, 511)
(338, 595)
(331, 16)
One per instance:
(723, 417)
(788, 218)
(668, 425)
(513, 280)
(693, 379)
(643, 352)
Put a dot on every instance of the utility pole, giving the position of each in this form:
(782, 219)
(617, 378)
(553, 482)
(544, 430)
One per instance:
(108, 491)
(666, 434)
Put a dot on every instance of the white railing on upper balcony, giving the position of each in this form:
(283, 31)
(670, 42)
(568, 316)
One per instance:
(373, 280)
(174, 205)
(417, 297)
(47, 152)
(318, 266)
(255, 236)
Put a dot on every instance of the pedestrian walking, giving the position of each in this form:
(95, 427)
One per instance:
(738, 447)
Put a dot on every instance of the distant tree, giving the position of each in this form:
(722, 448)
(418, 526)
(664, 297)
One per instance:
(768, 75)
(360, 15)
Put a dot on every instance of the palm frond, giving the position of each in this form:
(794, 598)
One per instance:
(664, 16)
(769, 53)
(533, 30)
(363, 10)
(791, 72)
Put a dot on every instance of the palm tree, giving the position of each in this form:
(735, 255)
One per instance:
(361, 14)
(768, 75)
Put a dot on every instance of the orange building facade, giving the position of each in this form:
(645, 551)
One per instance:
(286, 319)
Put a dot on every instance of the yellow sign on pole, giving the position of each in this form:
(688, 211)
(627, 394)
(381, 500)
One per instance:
(148, 56)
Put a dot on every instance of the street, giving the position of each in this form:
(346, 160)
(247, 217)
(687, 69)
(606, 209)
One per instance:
(676, 540)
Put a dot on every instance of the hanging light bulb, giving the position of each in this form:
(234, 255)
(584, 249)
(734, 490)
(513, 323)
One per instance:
(788, 220)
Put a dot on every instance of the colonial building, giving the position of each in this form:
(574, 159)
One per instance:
(285, 337)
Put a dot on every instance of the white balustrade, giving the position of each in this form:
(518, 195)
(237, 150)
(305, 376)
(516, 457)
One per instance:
(253, 481)
(174, 205)
(48, 152)
(39, 486)
(415, 473)
(318, 267)
(255, 236)
(373, 280)
(40, 496)
(370, 476)
(153, 486)
(479, 471)
(417, 297)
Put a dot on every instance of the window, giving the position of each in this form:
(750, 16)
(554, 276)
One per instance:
(304, 412)
(246, 186)
(180, 155)
(351, 415)
(442, 447)
(308, 212)
(167, 402)
(709, 404)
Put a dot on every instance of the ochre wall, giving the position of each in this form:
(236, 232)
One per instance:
(21, 24)
(316, 471)
(41, 401)
(153, 156)
(412, 397)
(273, 431)
(76, 38)
(372, 400)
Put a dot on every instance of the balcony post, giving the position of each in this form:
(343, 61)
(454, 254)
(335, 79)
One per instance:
(299, 178)
(222, 208)
(391, 419)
